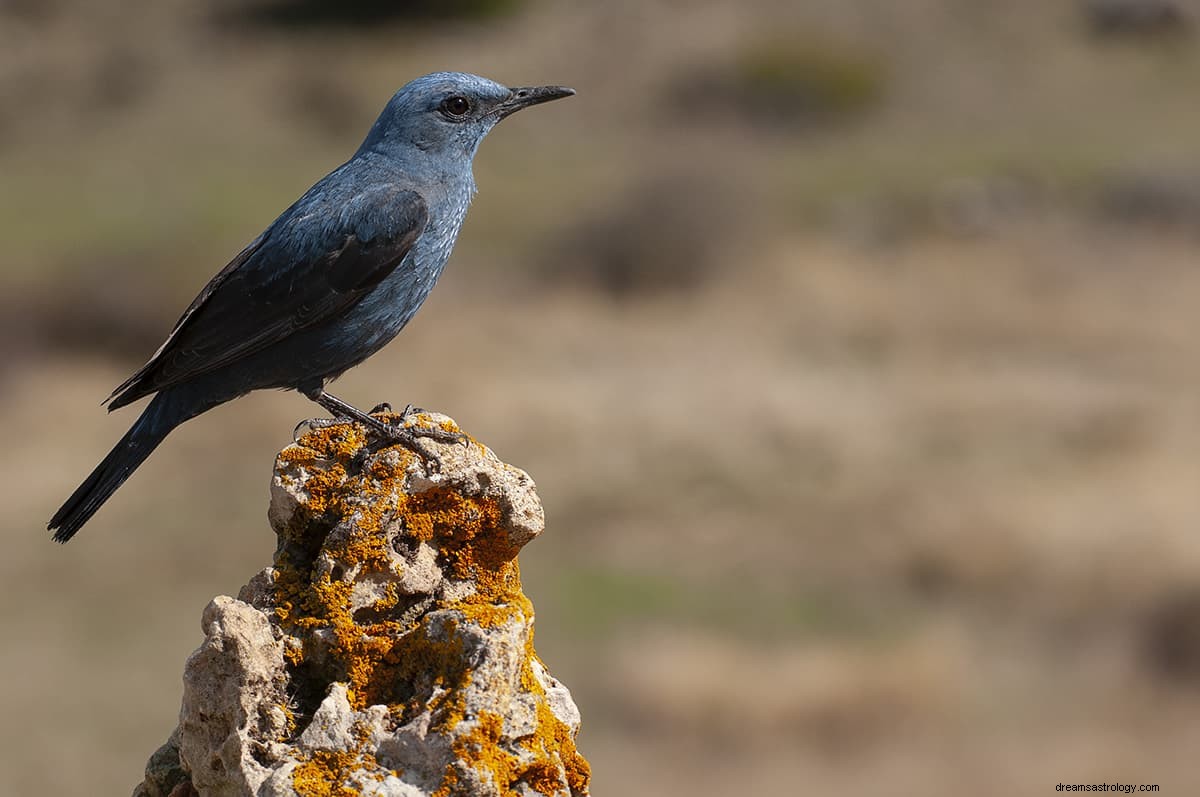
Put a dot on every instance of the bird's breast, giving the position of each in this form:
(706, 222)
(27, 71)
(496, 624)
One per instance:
(386, 310)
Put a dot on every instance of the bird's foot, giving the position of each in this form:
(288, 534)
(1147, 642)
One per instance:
(409, 435)
(409, 411)
(341, 418)
(402, 432)
(405, 425)
(405, 438)
(316, 424)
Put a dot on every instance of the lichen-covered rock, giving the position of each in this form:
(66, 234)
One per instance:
(389, 650)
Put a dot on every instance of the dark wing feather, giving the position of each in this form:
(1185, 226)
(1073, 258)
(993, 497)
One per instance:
(282, 283)
(199, 301)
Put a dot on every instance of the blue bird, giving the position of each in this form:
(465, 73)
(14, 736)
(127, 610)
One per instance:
(327, 284)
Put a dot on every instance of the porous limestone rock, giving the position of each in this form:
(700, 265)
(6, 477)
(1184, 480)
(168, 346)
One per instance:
(389, 649)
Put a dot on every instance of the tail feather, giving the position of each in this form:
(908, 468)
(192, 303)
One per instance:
(155, 423)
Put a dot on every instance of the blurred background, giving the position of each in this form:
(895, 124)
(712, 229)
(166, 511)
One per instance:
(853, 347)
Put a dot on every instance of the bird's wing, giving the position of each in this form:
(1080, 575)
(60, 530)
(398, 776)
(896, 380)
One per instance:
(311, 266)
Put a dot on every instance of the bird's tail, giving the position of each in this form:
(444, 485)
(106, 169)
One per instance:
(162, 415)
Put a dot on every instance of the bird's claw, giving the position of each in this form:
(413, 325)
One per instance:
(410, 439)
(432, 432)
(410, 436)
(440, 435)
(403, 431)
(315, 424)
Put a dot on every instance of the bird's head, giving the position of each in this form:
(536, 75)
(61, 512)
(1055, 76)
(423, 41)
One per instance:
(449, 113)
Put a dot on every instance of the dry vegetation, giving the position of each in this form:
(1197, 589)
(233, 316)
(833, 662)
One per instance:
(875, 473)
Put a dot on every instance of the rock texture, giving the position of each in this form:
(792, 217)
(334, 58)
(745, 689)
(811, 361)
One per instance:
(388, 650)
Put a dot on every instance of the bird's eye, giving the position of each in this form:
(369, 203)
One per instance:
(455, 106)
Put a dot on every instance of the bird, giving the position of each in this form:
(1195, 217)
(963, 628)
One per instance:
(328, 283)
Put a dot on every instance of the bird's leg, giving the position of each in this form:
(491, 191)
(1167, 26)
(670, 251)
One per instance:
(341, 412)
(341, 409)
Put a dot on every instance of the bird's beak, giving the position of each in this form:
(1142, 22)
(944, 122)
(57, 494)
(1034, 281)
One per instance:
(525, 96)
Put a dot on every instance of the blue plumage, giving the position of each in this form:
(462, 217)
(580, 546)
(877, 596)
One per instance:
(329, 282)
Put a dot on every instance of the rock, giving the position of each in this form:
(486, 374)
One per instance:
(164, 773)
(389, 648)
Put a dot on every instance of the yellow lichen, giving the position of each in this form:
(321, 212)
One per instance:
(480, 748)
(553, 746)
(325, 773)
(421, 666)
(289, 720)
(551, 755)
(554, 756)
(448, 784)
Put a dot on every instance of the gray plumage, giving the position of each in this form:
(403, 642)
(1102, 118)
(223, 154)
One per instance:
(329, 282)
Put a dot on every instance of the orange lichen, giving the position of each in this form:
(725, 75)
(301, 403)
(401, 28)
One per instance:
(289, 720)
(554, 756)
(326, 772)
(480, 748)
(417, 665)
(339, 441)
(448, 784)
(550, 752)
(552, 743)
(467, 531)
(553, 746)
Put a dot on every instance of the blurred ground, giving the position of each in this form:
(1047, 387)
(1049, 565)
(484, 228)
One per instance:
(853, 347)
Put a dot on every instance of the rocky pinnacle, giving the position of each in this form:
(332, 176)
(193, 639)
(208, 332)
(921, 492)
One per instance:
(389, 648)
